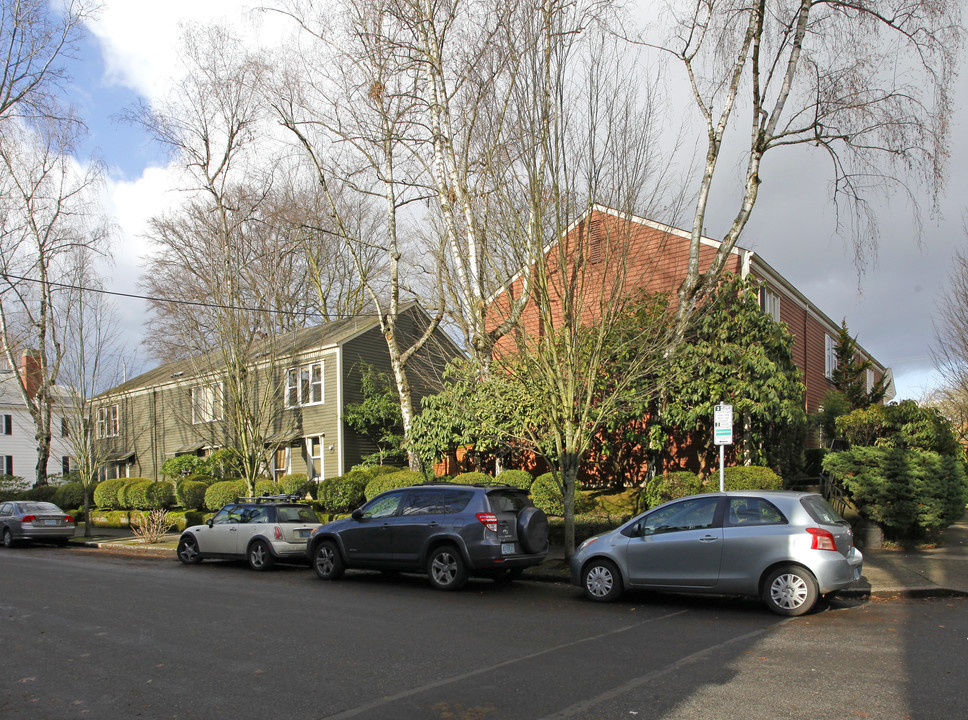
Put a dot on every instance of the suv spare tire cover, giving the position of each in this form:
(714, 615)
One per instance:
(533, 530)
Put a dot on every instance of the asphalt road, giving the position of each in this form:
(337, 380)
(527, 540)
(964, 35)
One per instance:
(86, 635)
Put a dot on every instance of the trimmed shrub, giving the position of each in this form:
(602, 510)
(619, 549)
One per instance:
(391, 481)
(294, 484)
(516, 478)
(586, 526)
(106, 494)
(42, 493)
(671, 486)
(70, 495)
(160, 495)
(135, 494)
(190, 494)
(224, 492)
(546, 495)
(473, 478)
(207, 479)
(183, 466)
(109, 518)
(267, 487)
(342, 494)
(750, 477)
(913, 494)
(182, 519)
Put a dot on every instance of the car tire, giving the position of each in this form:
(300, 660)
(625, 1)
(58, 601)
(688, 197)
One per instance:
(446, 569)
(790, 590)
(327, 562)
(8, 540)
(533, 530)
(259, 555)
(188, 550)
(601, 581)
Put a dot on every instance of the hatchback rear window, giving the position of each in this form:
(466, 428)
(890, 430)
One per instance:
(508, 501)
(296, 515)
(820, 511)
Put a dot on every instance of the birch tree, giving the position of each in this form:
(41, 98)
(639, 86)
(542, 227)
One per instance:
(867, 84)
(48, 212)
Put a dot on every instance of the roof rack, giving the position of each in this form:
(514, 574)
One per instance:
(294, 497)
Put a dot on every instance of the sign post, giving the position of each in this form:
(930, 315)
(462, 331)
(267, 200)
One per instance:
(723, 436)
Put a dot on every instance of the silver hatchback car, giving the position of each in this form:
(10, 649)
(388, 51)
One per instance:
(788, 548)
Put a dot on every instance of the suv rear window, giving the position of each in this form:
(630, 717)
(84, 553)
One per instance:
(820, 511)
(508, 501)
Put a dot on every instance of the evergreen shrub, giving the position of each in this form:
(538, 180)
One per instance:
(546, 496)
(135, 494)
(749, 477)
(295, 484)
(41, 493)
(70, 496)
(391, 481)
(106, 494)
(671, 486)
(473, 478)
(516, 478)
(160, 495)
(190, 494)
(267, 487)
(342, 494)
(224, 492)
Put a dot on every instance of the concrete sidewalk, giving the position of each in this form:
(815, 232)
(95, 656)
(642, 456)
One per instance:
(936, 572)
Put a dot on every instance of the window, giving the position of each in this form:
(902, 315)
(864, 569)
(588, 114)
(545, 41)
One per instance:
(107, 421)
(304, 385)
(314, 450)
(6, 464)
(7, 425)
(65, 431)
(65, 465)
(383, 507)
(207, 403)
(753, 511)
(695, 514)
(830, 357)
(770, 303)
(280, 463)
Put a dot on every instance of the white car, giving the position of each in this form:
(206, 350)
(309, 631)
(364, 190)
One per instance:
(259, 530)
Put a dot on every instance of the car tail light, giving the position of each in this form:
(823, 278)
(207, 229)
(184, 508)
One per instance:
(822, 539)
(277, 531)
(28, 518)
(488, 520)
(68, 518)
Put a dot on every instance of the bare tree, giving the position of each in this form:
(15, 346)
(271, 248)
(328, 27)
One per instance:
(866, 83)
(951, 346)
(36, 39)
(48, 213)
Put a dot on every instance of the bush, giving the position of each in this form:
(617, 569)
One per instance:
(190, 494)
(267, 487)
(42, 493)
(390, 481)
(586, 526)
(671, 486)
(914, 494)
(181, 519)
(106, 494)
(342, 494)
(160, 495)
(546, 496)
(183, 466)
(515, 478)
(473, 478)
(224, 492)
(294, 484)
(70, 495)
(749, 477)
(135, 494)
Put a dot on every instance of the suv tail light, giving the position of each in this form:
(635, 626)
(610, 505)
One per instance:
(488, 520)
(821, 539)
(28, 518)
(277, 532)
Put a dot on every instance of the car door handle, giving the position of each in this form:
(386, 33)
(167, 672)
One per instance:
(233, 529)
(708, 538)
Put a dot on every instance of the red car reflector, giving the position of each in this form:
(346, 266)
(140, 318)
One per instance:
(822, 539)
(488, 520)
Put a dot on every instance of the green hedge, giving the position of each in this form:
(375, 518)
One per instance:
(106, 494)
(913, 494)
(751, 477)
(224, 492)
(267, 487)
(296, 484)
(585, 527)
(342, 494)
(515, 478)
(671, 486)
(70, 495)
(546, 495)
(42, 493)
(391, 481)
(473, 478)
(190, 494)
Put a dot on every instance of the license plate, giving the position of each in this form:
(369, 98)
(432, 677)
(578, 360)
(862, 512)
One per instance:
(304, 533)
(50, 522)
(507, 548)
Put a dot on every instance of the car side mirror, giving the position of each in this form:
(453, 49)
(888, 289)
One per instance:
(357, 514)
(209, 522)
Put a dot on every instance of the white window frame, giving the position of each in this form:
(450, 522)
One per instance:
(770, 302)
(7, 424)
(830, 356)
(311, 459)
(207, 403)
(6, 464)
(107, 421)
(869, 384)
(305, 386)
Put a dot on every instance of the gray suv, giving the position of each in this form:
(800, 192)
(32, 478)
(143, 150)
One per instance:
(446, 530)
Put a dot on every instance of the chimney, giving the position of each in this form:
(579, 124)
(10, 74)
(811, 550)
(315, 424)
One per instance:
(30, 371)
